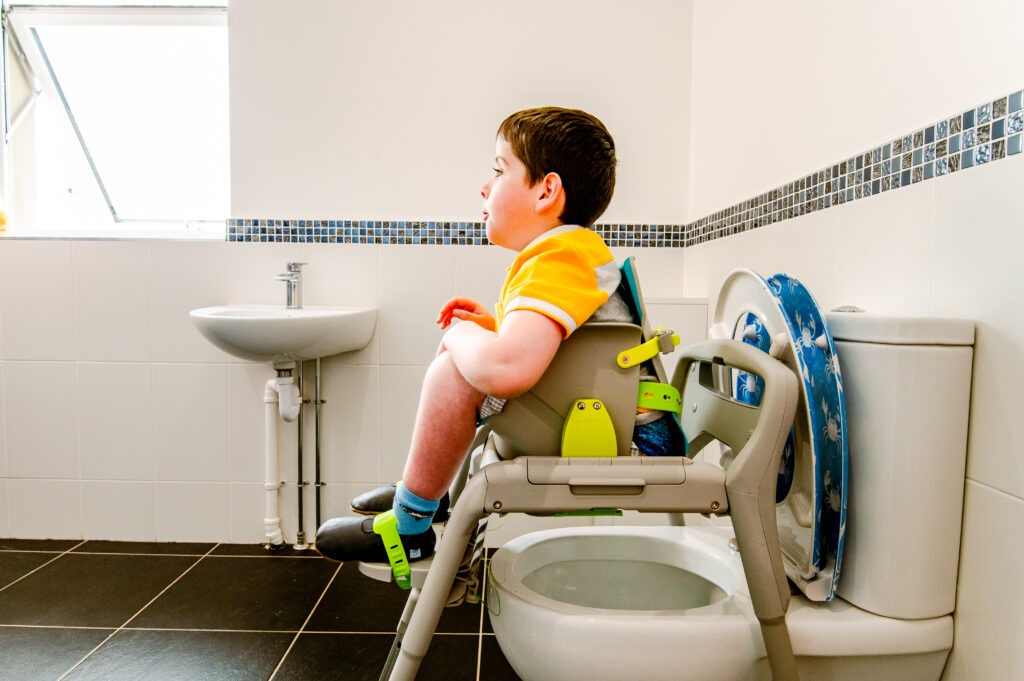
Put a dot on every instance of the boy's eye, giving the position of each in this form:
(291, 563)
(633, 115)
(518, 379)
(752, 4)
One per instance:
(497, 172)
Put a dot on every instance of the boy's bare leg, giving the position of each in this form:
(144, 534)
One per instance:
(445, 427)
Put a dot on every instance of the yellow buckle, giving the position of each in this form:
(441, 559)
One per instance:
(663, 341)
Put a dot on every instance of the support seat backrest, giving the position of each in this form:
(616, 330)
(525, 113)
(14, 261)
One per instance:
(583, 367)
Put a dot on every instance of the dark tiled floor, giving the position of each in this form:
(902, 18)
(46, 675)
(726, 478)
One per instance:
(108, 611)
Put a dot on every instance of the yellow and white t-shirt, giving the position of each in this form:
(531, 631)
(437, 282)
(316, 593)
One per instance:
(568, 274)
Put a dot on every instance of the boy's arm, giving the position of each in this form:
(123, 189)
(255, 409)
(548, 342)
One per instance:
(508, 363)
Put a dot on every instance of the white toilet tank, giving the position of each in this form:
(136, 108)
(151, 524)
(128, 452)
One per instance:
(907, 384)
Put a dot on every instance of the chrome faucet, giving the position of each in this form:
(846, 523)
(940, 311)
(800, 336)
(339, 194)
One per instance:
(293, 280)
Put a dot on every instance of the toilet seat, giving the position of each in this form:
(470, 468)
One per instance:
(781, 317)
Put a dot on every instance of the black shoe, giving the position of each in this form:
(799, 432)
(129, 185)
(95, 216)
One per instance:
(382, 499)
(344, 539)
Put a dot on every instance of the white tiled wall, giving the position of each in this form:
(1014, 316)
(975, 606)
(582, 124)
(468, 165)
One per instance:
(949, 246)
(119, 421)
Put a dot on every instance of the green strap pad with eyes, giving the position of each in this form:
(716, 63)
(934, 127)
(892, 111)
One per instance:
(386, 525)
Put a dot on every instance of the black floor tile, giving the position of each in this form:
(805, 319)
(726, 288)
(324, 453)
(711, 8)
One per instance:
(493, 665)
(16, 564)
(344, 657)
(361, 657)
(134, 655)
(89, 590)
(52, 545)
(356, 603)
(213, 612)
(146, 548)
(260, 594)
(44, 653)
(451, 658)
(261, 550)
(462, 619)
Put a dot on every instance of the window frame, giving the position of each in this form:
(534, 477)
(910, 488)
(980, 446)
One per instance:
(18, 20)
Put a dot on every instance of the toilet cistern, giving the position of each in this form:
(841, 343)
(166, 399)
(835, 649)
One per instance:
(293, 282)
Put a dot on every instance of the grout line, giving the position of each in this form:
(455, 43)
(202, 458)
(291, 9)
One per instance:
(59, 555)
(480, 642)
(52, 626)
(186, 555)
(130, 553)
(123, 626)
(303, 627)
(212, 631)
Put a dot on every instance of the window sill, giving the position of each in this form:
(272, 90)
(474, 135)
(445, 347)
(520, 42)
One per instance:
(176, 233)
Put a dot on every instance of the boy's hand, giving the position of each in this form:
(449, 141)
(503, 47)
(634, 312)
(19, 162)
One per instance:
(465, 309)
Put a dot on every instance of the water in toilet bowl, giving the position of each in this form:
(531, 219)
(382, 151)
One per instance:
(664, 587)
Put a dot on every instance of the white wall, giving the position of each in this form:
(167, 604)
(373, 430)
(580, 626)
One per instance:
(796, 86)
(388, 110)
(118, 421)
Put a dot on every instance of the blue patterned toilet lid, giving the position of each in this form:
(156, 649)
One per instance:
(780, 316)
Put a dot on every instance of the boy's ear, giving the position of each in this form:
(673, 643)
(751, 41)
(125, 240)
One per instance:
(551, 194)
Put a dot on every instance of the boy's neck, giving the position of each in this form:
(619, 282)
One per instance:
(538, 235)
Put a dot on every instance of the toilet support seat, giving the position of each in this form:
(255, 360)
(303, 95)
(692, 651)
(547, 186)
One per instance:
(649, 484)
(780, 316)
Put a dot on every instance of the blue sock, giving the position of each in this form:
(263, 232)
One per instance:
(413, 513)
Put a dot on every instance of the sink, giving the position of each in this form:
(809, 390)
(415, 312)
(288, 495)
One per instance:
(276, 334)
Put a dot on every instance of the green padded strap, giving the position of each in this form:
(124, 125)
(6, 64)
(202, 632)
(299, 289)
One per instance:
(386, 525)
(660, 396)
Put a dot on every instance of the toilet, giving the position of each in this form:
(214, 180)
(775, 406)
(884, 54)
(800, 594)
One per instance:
(671, 603)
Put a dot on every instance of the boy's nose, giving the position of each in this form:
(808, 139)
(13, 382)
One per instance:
(486, 188)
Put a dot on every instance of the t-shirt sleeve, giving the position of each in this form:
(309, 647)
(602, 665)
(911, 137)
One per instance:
(560, 283)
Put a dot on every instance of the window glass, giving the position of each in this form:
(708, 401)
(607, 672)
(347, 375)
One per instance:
(128, 133)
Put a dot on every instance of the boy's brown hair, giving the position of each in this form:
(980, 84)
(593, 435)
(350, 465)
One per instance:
(573, 144)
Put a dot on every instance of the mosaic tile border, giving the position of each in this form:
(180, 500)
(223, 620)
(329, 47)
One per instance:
(986, 133)
(989, 132)
(424, 233)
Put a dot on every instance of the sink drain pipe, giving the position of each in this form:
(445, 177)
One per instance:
(281, 398)
(300, 532)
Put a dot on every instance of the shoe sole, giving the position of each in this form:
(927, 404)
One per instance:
(363, 511)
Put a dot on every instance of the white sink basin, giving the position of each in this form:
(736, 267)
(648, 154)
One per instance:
(276, 334)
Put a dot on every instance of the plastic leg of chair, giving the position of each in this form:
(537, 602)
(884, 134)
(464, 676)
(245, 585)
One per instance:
(403, 624)
(779, 649)
(434, 594)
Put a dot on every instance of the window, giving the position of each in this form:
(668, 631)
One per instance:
(116, 120)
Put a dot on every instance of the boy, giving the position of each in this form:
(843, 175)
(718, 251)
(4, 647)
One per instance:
(554, 176)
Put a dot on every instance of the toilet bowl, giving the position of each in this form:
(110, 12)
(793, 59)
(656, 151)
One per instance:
(671, 604)
(610, 603)
(574, 603)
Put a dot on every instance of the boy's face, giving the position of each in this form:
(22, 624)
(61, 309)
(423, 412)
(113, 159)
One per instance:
(509, 201)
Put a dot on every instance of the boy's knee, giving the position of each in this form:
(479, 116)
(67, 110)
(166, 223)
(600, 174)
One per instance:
(444, 376)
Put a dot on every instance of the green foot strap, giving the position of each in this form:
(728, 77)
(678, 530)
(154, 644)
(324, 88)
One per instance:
(386, 525)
